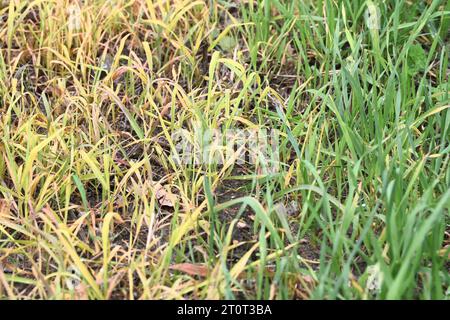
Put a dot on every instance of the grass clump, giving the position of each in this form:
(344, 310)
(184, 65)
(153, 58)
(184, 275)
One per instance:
(351, 203)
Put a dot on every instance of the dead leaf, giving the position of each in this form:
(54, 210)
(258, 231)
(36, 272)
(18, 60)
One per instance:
(119, 72)
(81, 292)
(165, 197)
(241, 224)
(5, 209)
(444, 250)
(191, 269)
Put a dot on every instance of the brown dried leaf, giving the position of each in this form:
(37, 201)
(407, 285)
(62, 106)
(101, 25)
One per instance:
(81, 292)
(165, 197)
(241, 224)
(5, 209)
(191, 269)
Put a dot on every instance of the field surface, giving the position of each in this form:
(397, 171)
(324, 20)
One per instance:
(220, 149)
